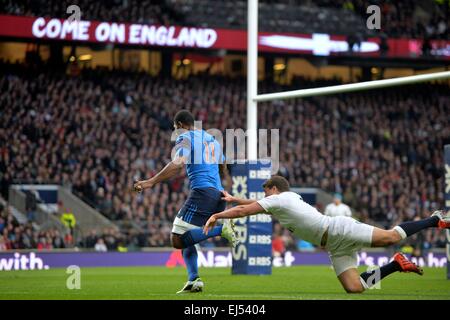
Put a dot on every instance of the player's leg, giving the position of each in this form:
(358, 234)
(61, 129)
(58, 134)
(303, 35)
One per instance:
(383, 238)
(187, 231)
(194, 283)
(194, 236)
(345, 268)
(399, 263)
(228, 231)
(189, 252)
(190, 225)
(354, 282)
(345, 237)
(197, 210)
(350, 280)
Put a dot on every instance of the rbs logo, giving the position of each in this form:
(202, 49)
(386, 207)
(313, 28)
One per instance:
(240, 251)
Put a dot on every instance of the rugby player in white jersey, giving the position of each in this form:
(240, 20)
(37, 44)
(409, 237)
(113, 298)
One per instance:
(341, 236)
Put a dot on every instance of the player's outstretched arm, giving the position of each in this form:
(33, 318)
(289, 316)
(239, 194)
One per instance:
(229, 198)
(235, 212)
(169, 171)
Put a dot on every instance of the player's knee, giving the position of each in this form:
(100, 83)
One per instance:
(176, 242)
(392, 238)
(354, 288)
(387, 238)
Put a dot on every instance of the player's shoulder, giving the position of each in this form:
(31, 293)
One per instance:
(185, 136)
(207, 136)
(289, 196)
(269, 203)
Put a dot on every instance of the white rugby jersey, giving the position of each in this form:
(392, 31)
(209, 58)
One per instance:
(297, 216)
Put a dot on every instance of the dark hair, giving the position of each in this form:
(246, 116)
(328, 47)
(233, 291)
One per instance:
(185, 117)
(277, 181)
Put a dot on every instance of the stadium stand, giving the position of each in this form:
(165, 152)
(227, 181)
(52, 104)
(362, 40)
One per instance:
(414, 19)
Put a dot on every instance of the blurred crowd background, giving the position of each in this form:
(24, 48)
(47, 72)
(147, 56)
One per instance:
(98, 132)
(408, 18)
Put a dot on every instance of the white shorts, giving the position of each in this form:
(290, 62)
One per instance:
(346, 237)
(180, 226)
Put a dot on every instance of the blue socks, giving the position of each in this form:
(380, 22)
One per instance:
(189, 239)
(196, 235)
(190, 258)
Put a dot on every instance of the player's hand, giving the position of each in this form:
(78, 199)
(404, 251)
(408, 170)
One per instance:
(209, 224)
(139, 186)
(227, 197)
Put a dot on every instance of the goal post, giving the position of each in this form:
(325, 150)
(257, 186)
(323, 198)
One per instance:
(253, 98)
(253, 253)
(252, 80)
(447, 200)
(352, 87)
(252, 83)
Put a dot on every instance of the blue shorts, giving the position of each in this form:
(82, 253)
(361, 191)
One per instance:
(201, 204)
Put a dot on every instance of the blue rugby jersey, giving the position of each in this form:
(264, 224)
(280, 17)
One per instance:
(203, 154)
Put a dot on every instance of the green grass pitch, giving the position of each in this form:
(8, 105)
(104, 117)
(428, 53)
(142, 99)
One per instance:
(301, 282)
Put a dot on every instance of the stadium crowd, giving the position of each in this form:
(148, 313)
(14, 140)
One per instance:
(98, 132)
(14, 235)
(413, 19)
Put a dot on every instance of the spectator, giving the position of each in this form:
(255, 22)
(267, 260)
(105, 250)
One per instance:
(3, 246)
(43, 244)
(278, 248)
(100, 246)
(68, 220)
(28, 239)
(30, 204)
(441, 242)
(68, 240)
(2, 224)
(303, 245)
(426, 47)
(57, 240)
(91, 239)
(337, 208)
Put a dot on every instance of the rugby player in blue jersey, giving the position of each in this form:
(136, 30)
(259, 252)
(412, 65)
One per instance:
(205, 166)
